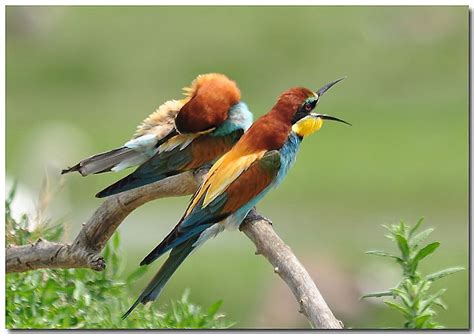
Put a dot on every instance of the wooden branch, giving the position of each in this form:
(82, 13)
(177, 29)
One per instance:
(84, 251)
(259, 229)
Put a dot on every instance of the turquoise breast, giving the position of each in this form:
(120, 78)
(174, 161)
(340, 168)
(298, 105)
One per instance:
(287, 156)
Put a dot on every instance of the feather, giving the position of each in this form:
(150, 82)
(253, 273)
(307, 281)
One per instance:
(154, 128)
(222, 174)
(247, 186)
(181, 233)
(161, 122)
(107, 161)
(181, 141)
(208, 102)
(203, 149)
(153, 289)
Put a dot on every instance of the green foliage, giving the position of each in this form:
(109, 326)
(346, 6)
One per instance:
(414, 291)
(82, 298)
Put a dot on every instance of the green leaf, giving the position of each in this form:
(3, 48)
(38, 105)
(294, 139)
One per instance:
(382, 253)
(442, 273)
(212, 310)
(402, 228)
(377, 294)
(439, 302)
(415, 227)
(403, 295)
(402, 244)
(420, 320)
(424, 286)
(417, 239)
(425, 251)
(398, 307)
(427, 303)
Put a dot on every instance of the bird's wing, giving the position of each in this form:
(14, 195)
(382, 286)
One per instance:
(161, 122)
(185, 154)
(246, 186)
(225, 171)
(157, 127)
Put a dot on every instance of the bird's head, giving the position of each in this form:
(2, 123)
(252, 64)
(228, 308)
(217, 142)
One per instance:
(207, 102)
(214, 87)
(297, 104)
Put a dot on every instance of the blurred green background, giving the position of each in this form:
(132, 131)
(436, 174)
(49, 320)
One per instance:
(79, 79)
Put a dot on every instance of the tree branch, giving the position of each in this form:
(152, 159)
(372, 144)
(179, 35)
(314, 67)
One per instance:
(259, 229)
(84, 251)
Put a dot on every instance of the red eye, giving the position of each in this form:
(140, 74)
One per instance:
(308, 107)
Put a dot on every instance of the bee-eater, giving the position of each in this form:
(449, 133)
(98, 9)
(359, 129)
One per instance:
(239, 179)
(179, 136)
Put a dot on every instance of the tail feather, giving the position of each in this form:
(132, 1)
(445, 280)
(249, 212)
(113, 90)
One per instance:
(154, 288)
(104, 162)
(178, 235)
(130, 182)
(171, 241)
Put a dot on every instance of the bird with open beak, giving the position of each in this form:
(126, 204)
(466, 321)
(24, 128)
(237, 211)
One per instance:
(181, 135)
(258, 162)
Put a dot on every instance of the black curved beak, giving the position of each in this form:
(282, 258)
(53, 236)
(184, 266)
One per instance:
(326, 87)
(323, 90)
(332, 118)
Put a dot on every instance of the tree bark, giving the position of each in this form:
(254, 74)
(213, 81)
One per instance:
(84, 251)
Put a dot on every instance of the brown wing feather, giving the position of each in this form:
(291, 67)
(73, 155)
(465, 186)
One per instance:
(252, 182)
(207, 148)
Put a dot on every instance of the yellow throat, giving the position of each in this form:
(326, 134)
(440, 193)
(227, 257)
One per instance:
(307, 126)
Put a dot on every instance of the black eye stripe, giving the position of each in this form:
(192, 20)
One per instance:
(299, 115)
(304, 109)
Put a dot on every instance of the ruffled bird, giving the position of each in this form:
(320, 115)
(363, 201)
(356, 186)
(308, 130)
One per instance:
(180, 135)
(257, 163)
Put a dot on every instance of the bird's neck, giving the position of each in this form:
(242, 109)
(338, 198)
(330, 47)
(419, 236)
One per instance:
(271, 131)
(239, 118)
(288, 155)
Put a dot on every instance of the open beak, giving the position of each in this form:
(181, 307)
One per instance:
(320, 92)
(323, 90)
(326, 87)
(331, 118)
